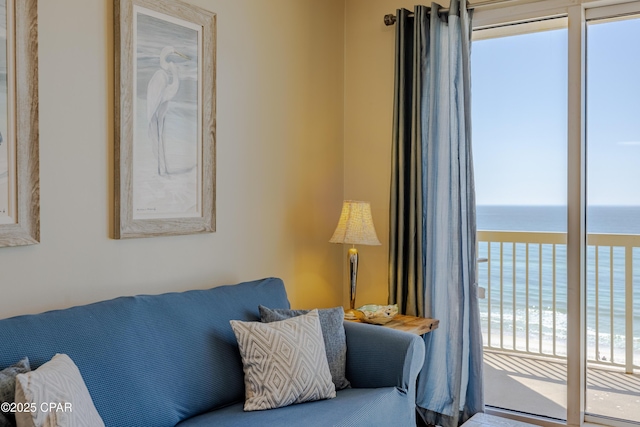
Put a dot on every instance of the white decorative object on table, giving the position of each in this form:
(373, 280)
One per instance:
(378, 314)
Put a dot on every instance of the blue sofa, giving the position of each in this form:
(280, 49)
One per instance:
(173, 360)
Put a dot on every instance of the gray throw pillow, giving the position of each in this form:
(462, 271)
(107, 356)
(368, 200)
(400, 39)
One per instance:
(8, 389)
(335, 340)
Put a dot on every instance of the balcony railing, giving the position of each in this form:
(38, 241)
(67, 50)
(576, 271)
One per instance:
(525, 307)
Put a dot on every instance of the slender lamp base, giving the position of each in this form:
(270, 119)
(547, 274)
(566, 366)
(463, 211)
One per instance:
(353, 274)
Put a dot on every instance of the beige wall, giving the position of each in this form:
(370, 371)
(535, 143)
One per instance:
(279, 173)
(369, 74)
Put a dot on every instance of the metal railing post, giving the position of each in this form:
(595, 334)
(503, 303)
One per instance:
(628, 312)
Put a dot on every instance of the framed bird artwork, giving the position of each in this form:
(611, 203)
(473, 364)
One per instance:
(165, 118)
(19, 126)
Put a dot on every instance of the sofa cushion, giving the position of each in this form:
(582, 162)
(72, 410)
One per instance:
(284, 362)
(360, 407)
(335, 341)
(8, 389)
(56, 396)
(151, 360)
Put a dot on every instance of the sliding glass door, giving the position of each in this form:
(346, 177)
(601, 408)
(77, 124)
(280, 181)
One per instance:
(613, 218)
(556, 131)
(519, 78)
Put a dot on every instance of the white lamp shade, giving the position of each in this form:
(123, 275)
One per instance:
(355, 225)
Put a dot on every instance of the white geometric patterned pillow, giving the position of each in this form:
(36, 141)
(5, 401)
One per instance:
(335, 341)
(55, 395)
(284, 362)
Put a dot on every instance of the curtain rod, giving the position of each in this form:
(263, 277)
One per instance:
(391, 19)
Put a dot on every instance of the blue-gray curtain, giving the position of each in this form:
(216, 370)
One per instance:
(432, 256)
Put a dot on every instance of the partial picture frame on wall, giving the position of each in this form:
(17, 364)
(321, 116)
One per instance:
(165, 118)
(19, 135)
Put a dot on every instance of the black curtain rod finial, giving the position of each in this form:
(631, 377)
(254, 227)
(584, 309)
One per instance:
(389, 19)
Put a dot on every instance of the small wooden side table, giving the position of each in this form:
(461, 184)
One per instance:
(412, 324)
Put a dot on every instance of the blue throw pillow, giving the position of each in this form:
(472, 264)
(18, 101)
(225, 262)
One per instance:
(335, 340)
(8, 389)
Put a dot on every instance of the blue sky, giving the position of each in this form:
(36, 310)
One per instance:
(519, 104)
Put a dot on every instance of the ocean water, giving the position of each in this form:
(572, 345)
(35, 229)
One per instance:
(606, 333)
(600, 219)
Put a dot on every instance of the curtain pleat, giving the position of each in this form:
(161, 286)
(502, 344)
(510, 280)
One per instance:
(406, 227)
(432, 256)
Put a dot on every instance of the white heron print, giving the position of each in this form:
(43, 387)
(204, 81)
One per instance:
(167, 144)
(162, 88)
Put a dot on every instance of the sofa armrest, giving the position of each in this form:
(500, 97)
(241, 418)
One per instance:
(382, 357)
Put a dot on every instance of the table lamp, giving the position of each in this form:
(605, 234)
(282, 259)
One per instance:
(355, 227)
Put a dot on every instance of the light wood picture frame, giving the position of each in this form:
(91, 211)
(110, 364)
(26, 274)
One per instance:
(165, 118)
(19, 133)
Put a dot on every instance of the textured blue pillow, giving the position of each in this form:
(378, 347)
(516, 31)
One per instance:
(8, 389)
(335, 340)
